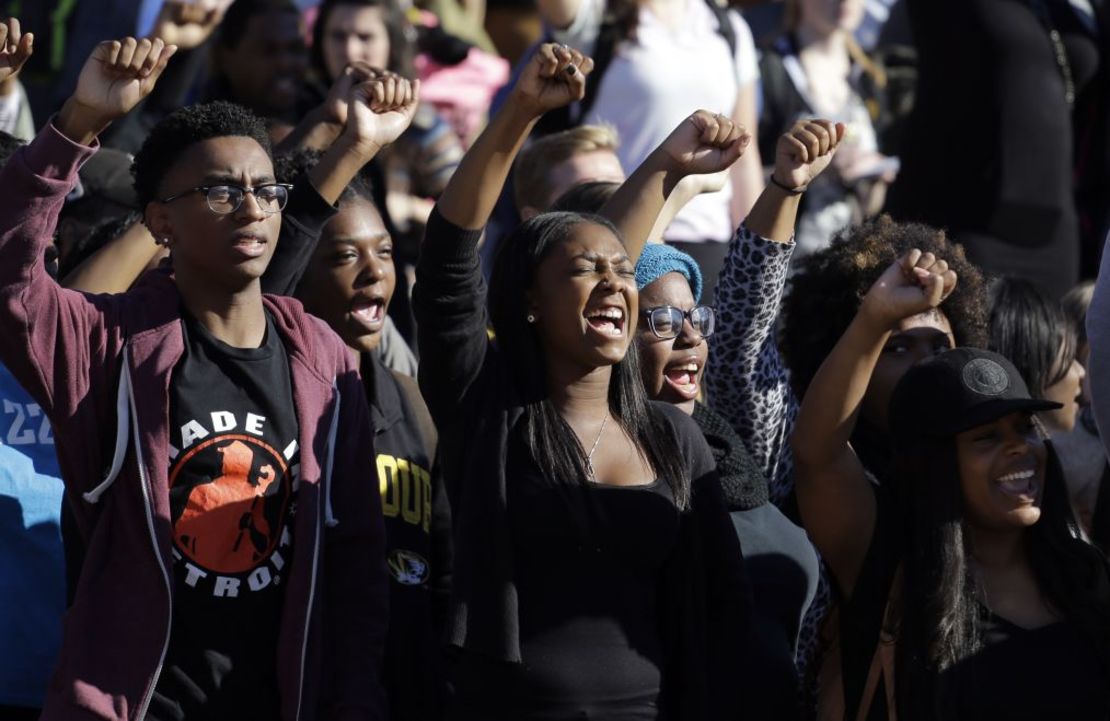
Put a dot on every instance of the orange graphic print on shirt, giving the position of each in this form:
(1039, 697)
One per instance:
(232, 523)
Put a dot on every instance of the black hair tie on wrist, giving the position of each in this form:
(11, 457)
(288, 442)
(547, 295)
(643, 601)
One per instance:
(790, 191)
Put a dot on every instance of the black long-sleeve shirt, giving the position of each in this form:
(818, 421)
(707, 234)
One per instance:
(705, 598)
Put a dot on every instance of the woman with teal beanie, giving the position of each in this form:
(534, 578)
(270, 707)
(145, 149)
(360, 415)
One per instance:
(672, 338)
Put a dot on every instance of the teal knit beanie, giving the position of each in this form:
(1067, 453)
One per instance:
(658, 259)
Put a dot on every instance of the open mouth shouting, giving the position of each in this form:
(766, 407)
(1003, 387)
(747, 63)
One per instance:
(682, 377)
(369, 312)
(1021, 485)
(609, 322)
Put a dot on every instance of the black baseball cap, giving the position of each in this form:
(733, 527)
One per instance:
(958, 390)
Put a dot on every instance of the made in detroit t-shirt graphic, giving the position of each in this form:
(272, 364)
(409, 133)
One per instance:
(233, 467)
(231, 495)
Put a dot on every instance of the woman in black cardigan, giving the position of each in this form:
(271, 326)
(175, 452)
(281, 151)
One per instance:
(596, 572)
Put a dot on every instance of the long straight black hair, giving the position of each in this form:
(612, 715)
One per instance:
(552, 442)
(1031, 330)
(940, 619)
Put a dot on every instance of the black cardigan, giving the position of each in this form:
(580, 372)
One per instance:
(470, 394)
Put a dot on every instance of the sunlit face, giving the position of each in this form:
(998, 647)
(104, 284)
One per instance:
(584, 299)
(1067, 391)
(267, 67)
(230, 250)
(914, 340)
(355, 34)
(826, 16)
(672, 368)
(1002, 472)
(351, 278)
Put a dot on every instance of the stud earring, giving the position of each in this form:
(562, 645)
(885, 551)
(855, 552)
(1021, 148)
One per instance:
(531, 318)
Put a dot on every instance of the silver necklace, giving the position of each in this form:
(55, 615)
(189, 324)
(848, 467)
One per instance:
(590, 474)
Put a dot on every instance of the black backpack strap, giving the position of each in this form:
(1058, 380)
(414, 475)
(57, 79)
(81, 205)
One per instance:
(604, 50)
(724, 26)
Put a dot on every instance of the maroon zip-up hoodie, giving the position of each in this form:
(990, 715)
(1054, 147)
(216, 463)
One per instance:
(101, 367)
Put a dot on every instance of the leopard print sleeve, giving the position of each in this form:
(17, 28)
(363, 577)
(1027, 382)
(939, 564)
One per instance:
(747, 381)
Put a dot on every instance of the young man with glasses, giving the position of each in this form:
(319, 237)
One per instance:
(212, 439)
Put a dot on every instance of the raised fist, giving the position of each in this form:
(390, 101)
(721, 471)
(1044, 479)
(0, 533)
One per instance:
(554, 77)
(118, 75)
(804, 151)
(335, 104)
(912, 285)
(188, 23)
(15, 48)
(380, 109)
(705, 143)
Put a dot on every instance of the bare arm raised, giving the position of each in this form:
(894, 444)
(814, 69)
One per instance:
(375, 108)
(117, 75)
(703, 144)
(835, 497)
(555, 76)
(802, 153)
(450, 296)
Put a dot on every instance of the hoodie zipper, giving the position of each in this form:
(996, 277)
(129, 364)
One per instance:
(148, 492)
(308, 618)
(316, 548)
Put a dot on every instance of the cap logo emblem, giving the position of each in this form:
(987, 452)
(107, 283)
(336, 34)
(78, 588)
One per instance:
(986, 377)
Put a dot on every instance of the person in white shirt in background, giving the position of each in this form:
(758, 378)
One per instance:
(658, 75)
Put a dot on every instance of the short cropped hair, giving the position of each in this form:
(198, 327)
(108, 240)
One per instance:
(531, 186)
(183, 128)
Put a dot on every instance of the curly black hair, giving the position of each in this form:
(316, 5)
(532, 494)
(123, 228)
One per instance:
(183, 128)
(827, 290)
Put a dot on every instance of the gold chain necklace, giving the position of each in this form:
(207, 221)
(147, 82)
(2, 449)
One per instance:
(590, 474)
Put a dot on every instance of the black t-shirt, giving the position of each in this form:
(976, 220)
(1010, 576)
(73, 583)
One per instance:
(233, 477)
(1051, 672)
(588, 564)
(417, 526)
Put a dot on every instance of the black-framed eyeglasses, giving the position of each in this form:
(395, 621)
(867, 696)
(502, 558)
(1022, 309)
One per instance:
(666, 321)
(226, 199)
